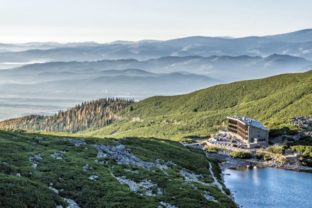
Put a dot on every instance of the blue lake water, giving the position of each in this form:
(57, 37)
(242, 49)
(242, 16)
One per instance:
(269, 187)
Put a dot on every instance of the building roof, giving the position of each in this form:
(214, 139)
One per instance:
(249, 122)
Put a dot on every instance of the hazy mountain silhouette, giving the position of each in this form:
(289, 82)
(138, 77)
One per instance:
(297, 43)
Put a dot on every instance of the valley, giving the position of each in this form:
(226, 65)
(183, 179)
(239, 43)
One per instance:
(144, 124)
(138, 70)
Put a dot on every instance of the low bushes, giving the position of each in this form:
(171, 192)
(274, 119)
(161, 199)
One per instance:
(277, 149)
(211, 149)
(306, 151)
(240, 154)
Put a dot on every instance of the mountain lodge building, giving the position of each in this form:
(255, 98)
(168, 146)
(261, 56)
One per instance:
(250, 131)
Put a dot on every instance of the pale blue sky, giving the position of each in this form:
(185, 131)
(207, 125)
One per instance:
(108, 20)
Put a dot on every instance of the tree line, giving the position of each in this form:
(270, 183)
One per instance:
(92, 114)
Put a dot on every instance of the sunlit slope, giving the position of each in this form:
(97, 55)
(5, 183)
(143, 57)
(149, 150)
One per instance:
(273, 101)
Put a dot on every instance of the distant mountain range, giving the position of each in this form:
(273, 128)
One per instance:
(89, 70)
(297, 43)
(210, 66)
(87, 84)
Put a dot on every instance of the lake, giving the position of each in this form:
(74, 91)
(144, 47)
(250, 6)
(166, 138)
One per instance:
(269, 187)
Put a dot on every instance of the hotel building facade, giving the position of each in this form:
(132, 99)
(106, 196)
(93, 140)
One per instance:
(250, 131)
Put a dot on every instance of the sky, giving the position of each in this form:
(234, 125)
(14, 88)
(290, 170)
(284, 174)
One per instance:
(110, 20)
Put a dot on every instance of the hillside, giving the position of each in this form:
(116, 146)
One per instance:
(88, 115)
(49, 171)
(274, 101)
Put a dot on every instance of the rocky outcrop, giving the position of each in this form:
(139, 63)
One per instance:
(93, 178)
(190, 176)
(166, 205)
(303, 122)
(86, 168)
(76, 142)
(144, 187)
(35, 160)
(122, 156)
(57, 155)
(71, 203)
(209, 197)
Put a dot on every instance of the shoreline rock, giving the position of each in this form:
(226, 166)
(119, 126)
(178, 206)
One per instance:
(235, 163)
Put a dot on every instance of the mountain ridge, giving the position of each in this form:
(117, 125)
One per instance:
(306, 30)
(296, 43)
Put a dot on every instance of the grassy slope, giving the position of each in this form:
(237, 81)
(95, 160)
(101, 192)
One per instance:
(274, 101)
(31, 189)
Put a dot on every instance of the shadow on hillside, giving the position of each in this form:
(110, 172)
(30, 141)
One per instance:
(89, 139)
(282, 131)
